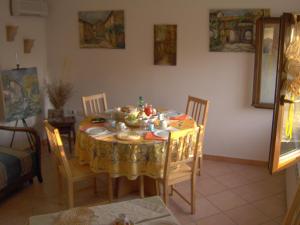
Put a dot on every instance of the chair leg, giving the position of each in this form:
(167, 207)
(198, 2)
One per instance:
(165, 193)
(71, 194)
(110, 188)
(95, 185)
(171, 192)
(200, 163)
(142, 194)
(157, 188)
(193, 195)
(70, 142)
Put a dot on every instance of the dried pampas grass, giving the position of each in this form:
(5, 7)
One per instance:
(59, 93)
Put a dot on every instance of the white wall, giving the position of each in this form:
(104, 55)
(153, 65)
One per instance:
(235, 129)
(29, 27)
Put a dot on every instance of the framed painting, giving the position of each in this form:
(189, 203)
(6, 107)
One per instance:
(102, 29)
(20, 97)
(266, 60)
(233, 30)
(165, 44)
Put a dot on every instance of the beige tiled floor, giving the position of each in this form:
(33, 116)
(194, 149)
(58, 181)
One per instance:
(227, 194)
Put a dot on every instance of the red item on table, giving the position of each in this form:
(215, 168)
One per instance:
(151, 136)
(148, 110)
(181, 117)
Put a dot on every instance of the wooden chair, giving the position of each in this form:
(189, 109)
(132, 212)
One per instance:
(71, 170)
(197, 108)
(94, 104)
(181, 163)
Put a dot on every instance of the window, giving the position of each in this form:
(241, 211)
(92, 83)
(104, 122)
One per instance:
(285, 141)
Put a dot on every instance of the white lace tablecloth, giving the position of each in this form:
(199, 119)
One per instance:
(148, 211)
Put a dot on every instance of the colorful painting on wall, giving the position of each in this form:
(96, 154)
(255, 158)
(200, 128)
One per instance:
(20, 96)
(102, 29)
(233, 30)
(165, 44)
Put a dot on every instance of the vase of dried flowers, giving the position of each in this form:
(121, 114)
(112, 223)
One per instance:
(59, 93)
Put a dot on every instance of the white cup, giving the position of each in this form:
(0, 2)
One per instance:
(121, 126)
(163, 124)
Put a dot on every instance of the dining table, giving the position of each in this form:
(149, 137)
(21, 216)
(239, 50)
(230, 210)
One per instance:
(107, 152)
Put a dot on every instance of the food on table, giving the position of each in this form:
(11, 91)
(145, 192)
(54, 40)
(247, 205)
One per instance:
(129, 136)
(128, 109)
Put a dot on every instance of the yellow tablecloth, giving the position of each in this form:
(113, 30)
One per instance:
(123, 158)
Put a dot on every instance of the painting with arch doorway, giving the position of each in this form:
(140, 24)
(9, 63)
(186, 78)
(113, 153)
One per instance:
(233, 30)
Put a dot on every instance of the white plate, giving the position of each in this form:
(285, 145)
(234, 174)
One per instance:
(173, 114)
(95, 130)
(162, 133)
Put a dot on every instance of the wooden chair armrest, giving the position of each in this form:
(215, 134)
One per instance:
(25, 130)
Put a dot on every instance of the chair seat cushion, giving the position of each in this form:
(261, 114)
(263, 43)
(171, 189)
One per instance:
(15, 163)
(78, 171)
(181, 173)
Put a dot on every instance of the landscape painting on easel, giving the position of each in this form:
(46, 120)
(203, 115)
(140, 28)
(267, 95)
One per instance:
(20, 96)
(102, 29)
(233, 30)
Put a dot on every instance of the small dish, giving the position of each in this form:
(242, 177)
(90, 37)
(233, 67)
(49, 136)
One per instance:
(95, 130)
(162, 133)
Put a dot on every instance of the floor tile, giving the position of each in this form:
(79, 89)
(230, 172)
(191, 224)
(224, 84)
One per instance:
(215, 168)
(279, 219)
(255, 173)
(209, 186)
(259, 190)
(247, 215)
(232, 180)
(220, 219)
(272, 206)
(226, 200)
(271, 223)
(181, 209)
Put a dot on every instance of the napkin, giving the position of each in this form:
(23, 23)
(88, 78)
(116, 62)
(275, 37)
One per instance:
(151, 136)
(181, 117)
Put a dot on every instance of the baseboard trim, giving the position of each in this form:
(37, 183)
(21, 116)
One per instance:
(236, 160)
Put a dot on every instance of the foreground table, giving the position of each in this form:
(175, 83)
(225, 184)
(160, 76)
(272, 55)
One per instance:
(149, 211)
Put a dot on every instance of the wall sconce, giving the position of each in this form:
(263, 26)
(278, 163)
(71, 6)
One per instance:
(28, 44)
(11, 32)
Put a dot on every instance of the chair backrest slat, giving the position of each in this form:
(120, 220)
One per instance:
(57, 147)
(199, 115)
(94, 104)
(183, 147)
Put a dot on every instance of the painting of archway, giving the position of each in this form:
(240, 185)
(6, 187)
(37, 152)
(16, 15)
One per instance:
(233, 30)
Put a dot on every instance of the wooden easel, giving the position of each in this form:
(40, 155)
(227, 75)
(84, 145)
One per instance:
(30, 138)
